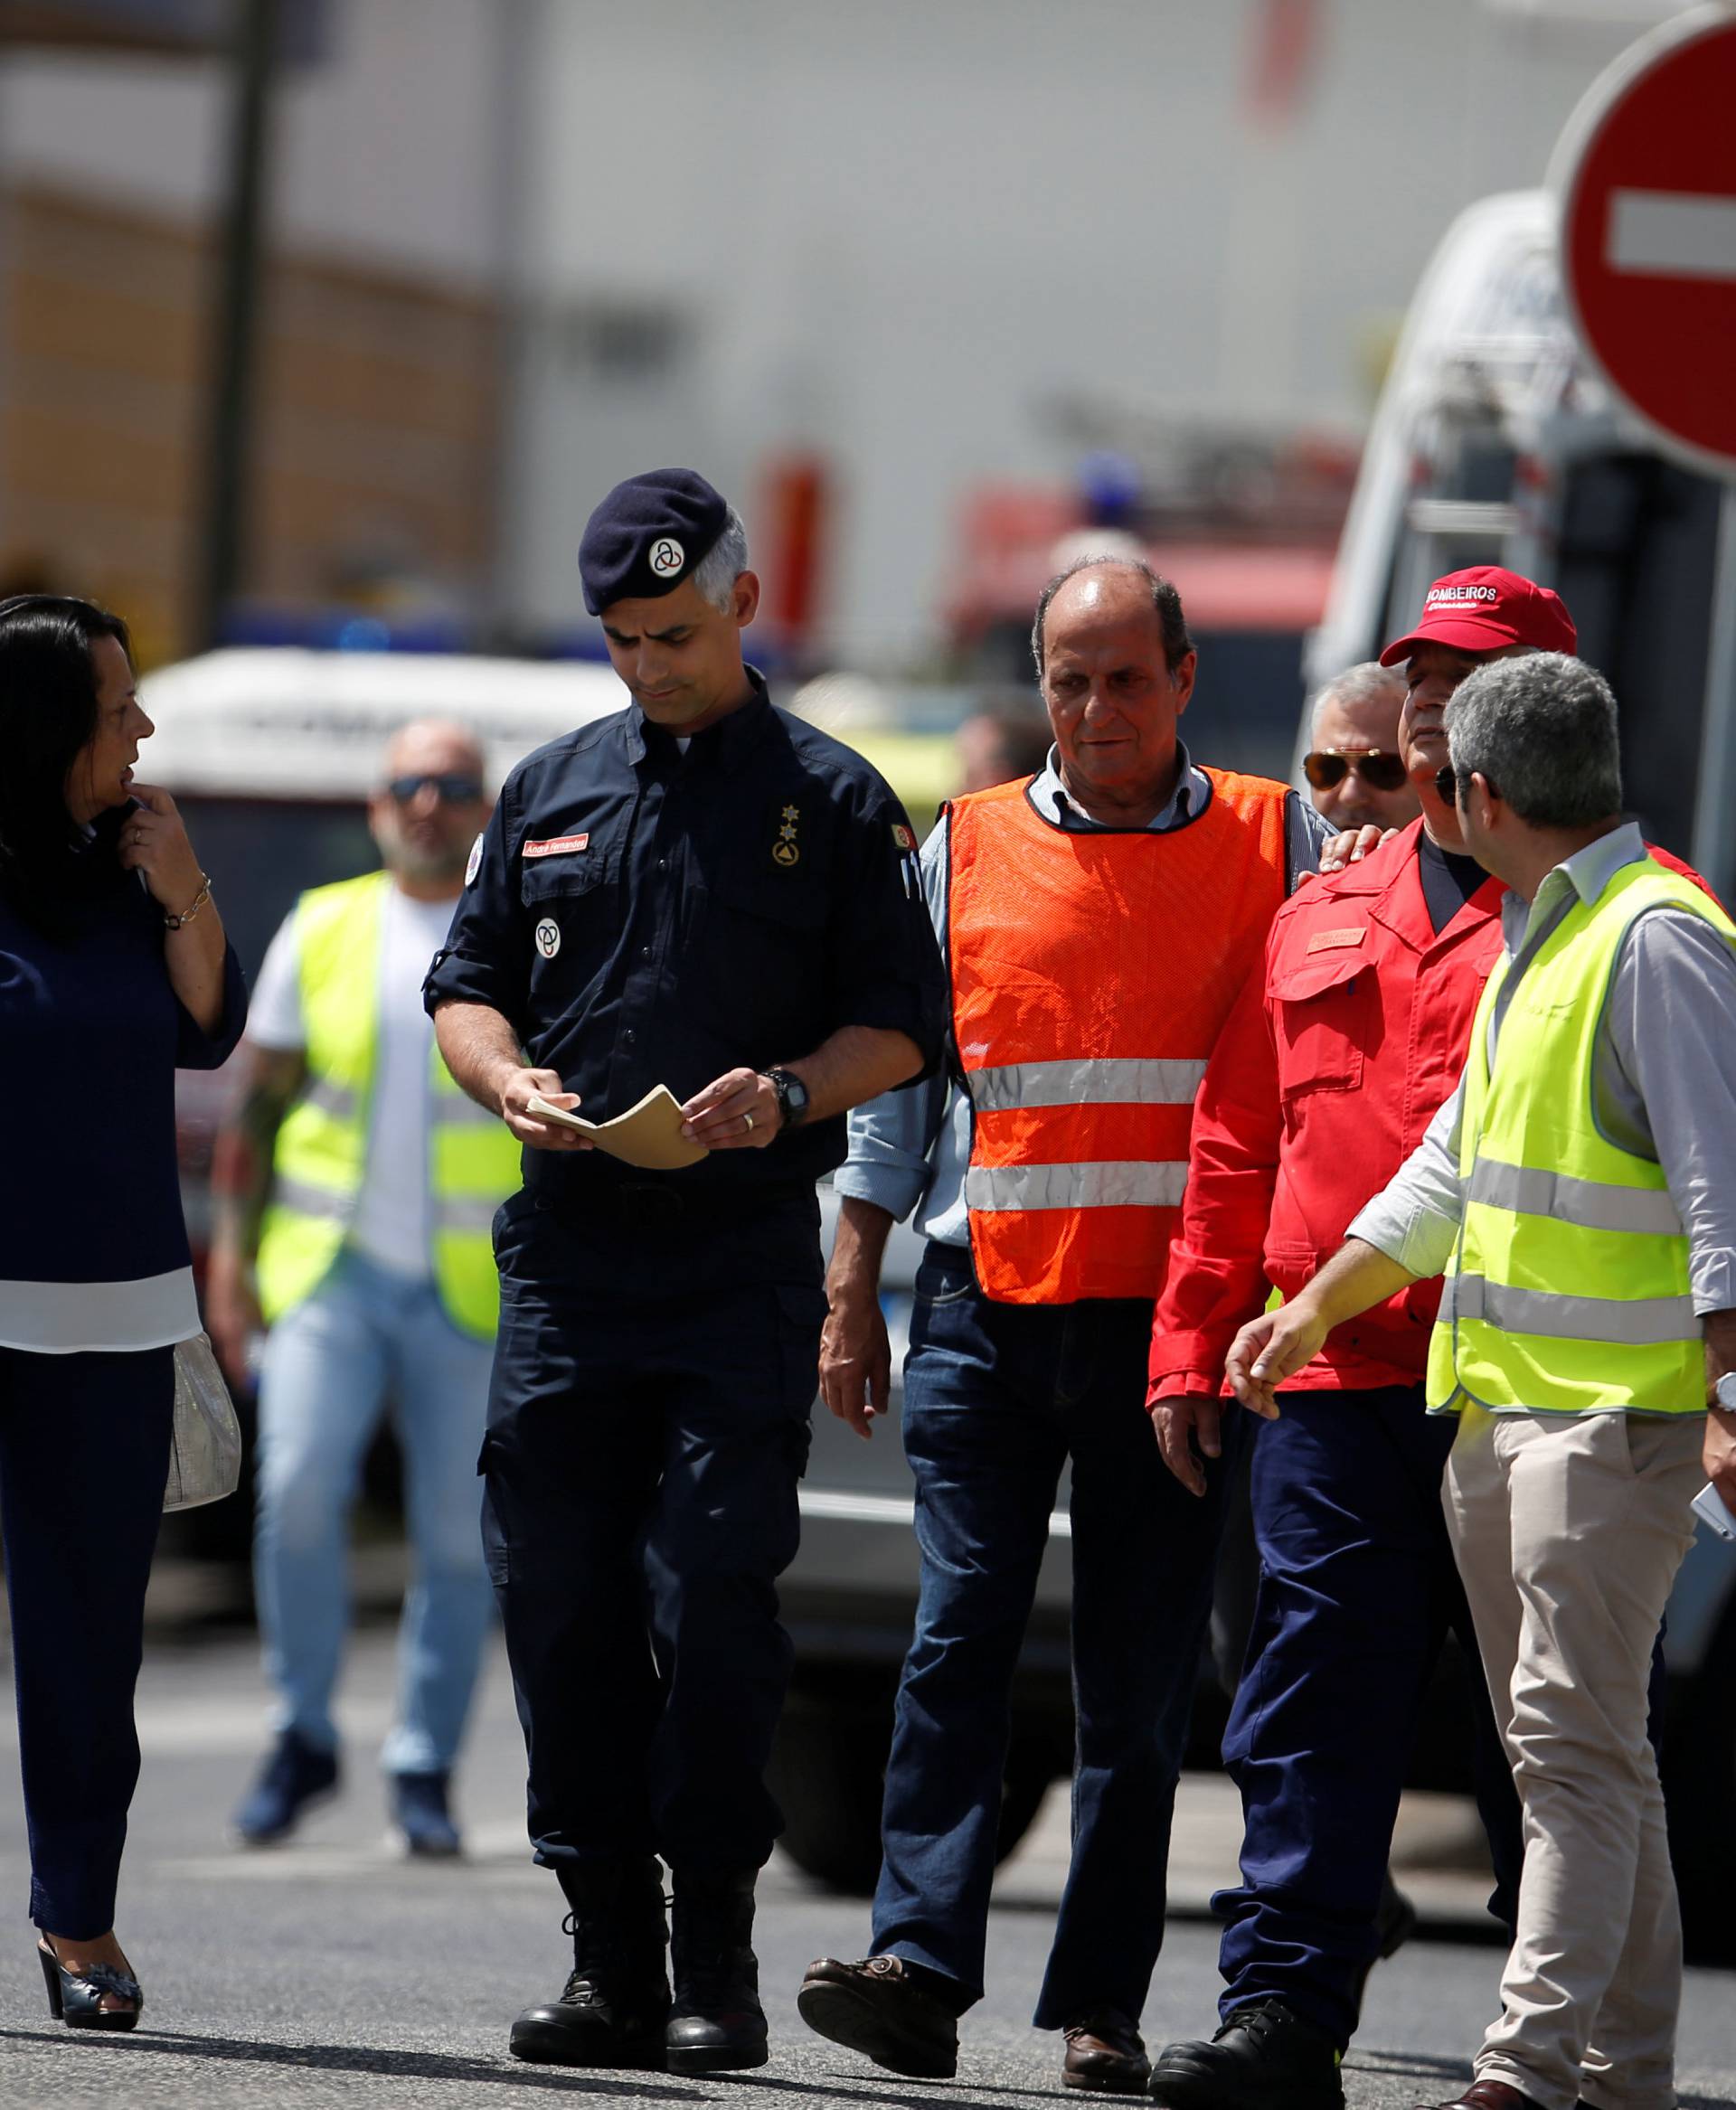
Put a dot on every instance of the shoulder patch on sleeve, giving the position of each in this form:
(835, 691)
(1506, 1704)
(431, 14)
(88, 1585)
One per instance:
(903, 836)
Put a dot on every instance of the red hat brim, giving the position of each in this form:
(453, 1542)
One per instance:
(1459, 630)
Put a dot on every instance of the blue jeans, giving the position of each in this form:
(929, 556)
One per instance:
(1357, 1593)
(329, 1364)
(996, 1398)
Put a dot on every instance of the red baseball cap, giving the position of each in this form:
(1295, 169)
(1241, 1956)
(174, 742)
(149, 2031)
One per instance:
(1484, 609)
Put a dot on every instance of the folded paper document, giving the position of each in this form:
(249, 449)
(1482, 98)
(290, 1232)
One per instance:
(648, 1135)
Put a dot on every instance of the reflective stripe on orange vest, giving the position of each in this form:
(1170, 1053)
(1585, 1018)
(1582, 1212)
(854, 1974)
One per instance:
(1090, 974)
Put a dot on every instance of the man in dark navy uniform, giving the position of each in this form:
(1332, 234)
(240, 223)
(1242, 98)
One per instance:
(705, 893)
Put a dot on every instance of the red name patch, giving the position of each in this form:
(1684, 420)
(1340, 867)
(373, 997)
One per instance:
(555, 846)
(1325, 941)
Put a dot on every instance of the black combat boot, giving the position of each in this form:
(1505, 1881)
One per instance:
(717, 2024)
(615, 2004)
(1266, 2057)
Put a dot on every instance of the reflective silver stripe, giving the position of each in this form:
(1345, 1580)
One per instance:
(335, 1099)
(466, 1212)
(307, 1200)
(1087, 1081)
(1139, 1183)
(457, 1109)
(1641, 1322)
(1594, 1204)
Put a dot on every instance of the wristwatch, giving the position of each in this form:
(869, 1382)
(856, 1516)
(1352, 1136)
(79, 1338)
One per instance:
(1724, 1391)
(792, 1096)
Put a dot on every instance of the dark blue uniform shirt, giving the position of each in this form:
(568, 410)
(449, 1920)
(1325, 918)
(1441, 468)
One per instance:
(642, 916)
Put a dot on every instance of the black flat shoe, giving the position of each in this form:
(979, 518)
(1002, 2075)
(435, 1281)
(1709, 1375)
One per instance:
(75, 1997)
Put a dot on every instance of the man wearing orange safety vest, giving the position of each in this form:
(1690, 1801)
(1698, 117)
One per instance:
(1097, 919)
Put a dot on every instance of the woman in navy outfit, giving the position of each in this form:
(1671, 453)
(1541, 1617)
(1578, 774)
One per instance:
(114, 970)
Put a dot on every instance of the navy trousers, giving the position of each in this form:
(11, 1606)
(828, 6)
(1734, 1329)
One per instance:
(996, 1398)
(1357, 1592)
(648, 1427)
(84, 1454)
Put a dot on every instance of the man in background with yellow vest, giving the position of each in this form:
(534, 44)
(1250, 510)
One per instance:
(356, 1186)
(1097, 919)
(1579, 1188)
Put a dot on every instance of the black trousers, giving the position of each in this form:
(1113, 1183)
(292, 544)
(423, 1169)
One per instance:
(84, 1454)
(648, 1427)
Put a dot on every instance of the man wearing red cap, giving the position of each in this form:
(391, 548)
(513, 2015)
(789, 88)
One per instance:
(1325, 1076)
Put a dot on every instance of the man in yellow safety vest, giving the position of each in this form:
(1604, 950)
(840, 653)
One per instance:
(355, 1189)
(1578, 1190)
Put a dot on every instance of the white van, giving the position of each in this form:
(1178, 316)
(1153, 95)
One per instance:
(271, 754)
(1495, 443)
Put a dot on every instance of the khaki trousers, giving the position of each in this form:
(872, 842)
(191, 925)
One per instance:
(1568, 1530)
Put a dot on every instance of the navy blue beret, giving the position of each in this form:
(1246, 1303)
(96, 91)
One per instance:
(647, 535)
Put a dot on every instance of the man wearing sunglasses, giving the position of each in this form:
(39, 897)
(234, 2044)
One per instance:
(1331, 1066)
(1355, 771)
(355, 1185)
(1576, 1189)
(1332, 1063)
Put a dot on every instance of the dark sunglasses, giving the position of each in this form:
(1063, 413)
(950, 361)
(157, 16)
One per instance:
(1447, 785)
(1378, 767)
(448, 790)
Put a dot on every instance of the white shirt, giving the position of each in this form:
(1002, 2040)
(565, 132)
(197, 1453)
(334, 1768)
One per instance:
(390, 1225)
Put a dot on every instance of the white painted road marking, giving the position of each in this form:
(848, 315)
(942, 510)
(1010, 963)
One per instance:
(1673, 234)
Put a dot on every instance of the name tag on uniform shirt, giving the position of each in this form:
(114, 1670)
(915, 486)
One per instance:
(1326, 941)
(556, 845)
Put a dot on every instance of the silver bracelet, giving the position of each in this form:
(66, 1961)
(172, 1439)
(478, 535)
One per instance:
(199, 901)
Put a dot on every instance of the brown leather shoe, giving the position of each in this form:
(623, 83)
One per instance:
(1105, 2052)
(877, 2008)
(1488, 2096)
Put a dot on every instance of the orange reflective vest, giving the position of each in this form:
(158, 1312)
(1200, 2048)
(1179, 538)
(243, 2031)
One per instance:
(1090, 974)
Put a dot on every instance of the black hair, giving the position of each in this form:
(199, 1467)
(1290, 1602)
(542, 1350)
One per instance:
(48, 716)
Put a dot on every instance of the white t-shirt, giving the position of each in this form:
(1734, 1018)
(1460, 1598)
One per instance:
(391, 1224)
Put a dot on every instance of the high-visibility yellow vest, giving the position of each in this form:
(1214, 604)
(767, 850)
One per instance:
(322, 1143)
(1569, 1290)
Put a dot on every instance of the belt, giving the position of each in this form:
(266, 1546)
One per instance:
(657, 1205)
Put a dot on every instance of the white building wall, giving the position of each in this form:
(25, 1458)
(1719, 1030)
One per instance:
(893, 229)
(901, 228)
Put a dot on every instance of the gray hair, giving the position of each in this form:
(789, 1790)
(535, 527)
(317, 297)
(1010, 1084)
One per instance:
(723, 563)
(1165, 600)
(1543, 730)
(1368, 683)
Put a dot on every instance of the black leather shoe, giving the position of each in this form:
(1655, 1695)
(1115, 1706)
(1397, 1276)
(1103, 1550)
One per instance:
(295, 1779)
(1106, 2052)
(716, 2024)
(421, 1809)
(878, 2008)
(1266, 2057)
(612, 2009)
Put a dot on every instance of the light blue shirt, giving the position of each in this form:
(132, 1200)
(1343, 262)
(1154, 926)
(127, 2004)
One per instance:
(908, 1150)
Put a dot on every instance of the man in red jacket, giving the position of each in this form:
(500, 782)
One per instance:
(1326, 1075)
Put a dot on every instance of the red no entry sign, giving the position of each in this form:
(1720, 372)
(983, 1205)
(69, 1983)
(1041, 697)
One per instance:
(1645, 173)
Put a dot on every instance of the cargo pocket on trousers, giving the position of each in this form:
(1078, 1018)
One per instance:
(801, 1314)
(495, 1538)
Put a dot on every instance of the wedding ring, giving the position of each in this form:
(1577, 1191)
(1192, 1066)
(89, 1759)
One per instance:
(748, 1122)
